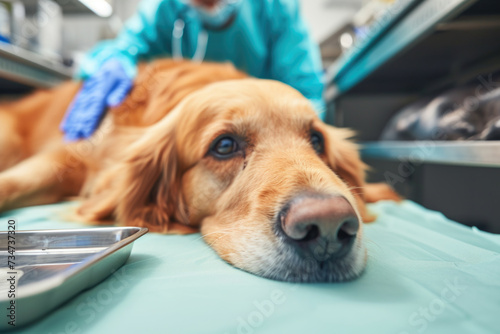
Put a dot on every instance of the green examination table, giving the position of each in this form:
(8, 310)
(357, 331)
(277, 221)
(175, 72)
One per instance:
(426, 274)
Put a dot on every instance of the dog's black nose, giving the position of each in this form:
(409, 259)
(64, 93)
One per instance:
(318, 226)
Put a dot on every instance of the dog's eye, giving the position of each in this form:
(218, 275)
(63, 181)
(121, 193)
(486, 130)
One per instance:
(225, 147)
(317, 142)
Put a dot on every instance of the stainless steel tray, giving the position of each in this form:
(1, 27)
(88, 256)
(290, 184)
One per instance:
(52, 266)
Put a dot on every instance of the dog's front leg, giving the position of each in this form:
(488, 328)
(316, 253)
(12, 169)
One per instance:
(44, 178)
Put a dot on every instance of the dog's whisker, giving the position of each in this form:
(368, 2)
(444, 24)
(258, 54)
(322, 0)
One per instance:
(224, 231)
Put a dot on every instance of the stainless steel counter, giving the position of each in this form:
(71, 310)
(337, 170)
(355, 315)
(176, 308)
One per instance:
(480, 154)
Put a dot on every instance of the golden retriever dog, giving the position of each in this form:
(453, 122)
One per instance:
(202, 147)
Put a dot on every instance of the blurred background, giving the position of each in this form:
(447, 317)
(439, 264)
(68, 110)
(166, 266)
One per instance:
(60, 31)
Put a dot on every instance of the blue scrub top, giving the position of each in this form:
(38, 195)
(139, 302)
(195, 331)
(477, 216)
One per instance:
(268, 39)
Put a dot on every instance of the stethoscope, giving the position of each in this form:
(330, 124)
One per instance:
(201, 45)
(225, 11)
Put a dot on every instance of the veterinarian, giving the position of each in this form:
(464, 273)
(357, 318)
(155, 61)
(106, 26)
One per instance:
(264, 38)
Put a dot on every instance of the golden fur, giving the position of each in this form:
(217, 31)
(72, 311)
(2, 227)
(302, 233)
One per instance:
(149, 163)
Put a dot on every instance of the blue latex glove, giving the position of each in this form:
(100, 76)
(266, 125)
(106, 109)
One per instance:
(107, 88)
(276, 42)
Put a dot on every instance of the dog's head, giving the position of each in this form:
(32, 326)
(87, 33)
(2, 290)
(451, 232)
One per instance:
(274, 190)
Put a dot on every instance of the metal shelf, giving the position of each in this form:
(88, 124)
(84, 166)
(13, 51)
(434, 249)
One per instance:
(27, 68)
(464, 153)
(437, 45)
(416, 25)
(376, 31)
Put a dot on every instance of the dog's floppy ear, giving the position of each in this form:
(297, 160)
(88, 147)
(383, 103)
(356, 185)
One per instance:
(344, 159)
(144, 188)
